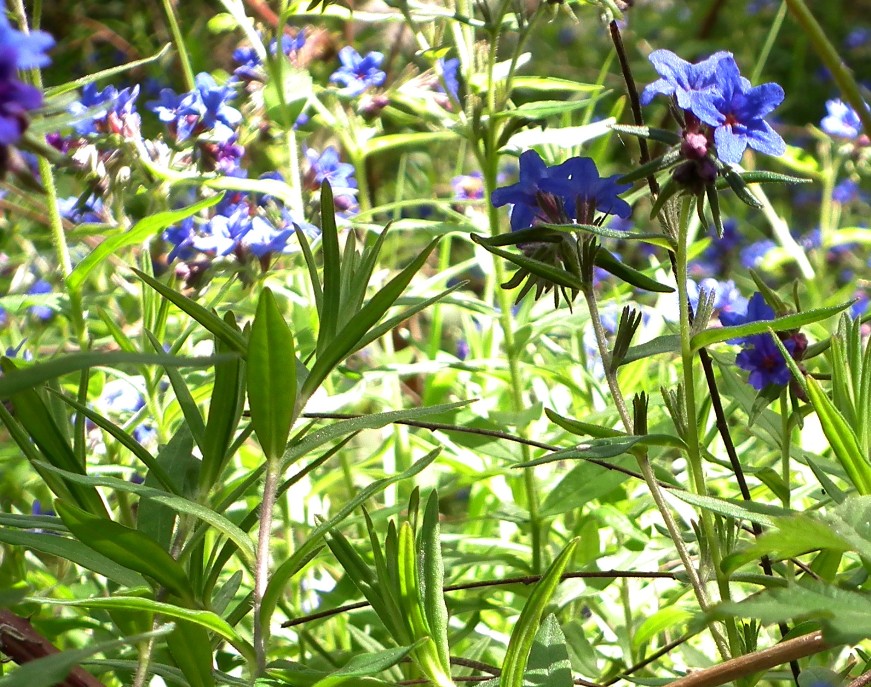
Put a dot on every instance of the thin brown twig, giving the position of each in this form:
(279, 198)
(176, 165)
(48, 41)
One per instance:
(862, 681)
(662, 651)
(526, 580)
(756, 662)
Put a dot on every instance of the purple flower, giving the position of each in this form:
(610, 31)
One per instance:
(450, 69)
(29, 48)
(468, 186)
(763, 360)
(358, 73)
(736, 110)
(250, 64)
(841, 121)
(682, 79)
(289, 44)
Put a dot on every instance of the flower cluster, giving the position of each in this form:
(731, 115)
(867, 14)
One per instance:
(107, 111)
(328, 166)
(204, 109)
(561, 194)
(18, 51)
(720, 107)
(842, 121)
(242, 226)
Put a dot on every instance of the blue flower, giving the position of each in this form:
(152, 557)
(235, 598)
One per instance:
(29, 48)
(450, 70)
(682, 79)
(78, 210)
(120, 396)
(327, 166)
(41, 312)
(119, 117)
(289, 44)
(754, 254)
(757, 311)
(847, 191)
(203, 109)
(16, 99)
(250, 64)
(736, 110)
(584, 192)
(358, 73)
(572, 190)
(841, 121)
(762, 358)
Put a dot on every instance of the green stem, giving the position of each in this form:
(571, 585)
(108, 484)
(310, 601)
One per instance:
(694, 456)
(178, 39)
(828, 53)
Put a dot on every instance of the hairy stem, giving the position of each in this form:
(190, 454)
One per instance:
(261, 570)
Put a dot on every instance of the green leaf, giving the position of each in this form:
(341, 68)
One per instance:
(126, 547)
(555, 275)
(349, 336)
(53, 669)
(549, 83)
(525, 630)
(293, 564)
(609, 263)
(608, 447)
(582, 428)
(780, 324)
(332, 290)
(205, 619)
(365, 665)
(584, 483)
(388, 141)
(662, 620)
(55, 91)
(142, 230)
(841, 438)
(845, 614)
(73, 551)
(191, 650)
(540, 109)
(15, 380)
(271, 376)
(660, 135)
(759, 513)
(549, 664)
(230, 336)
(432, 579)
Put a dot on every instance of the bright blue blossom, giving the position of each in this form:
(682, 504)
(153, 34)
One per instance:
(16, 99)
(762, 358)
(118, 117)
(450, 71)
(358, 73)
(848, 191)
(327, 166)
(29, 48)
(736, 109)
(682, 79)
(754, 254)
(841, 121)
(41, 312)
(573, 189)
(204, 109)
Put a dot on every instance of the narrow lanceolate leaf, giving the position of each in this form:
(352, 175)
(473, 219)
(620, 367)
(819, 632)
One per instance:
(139, 232)
(779, 324)
(271, 376)
(191, 649)
(332, 291)
(841, 437)
(349, 336)
(549, 664)
(609, 263)
(523, 635)
(209, 320)
(432, 579)
(126, 547)
(364, 665)
(206, 619)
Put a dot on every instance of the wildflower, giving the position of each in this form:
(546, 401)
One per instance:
(449, 71)
(736, 109)
(118, 117)
(754, 254)
(120, 396)
(223, 156)
(250, 64)
(41, 312)
(358, 73)
(327, 166)
(841, 121)
(680, 78)
(78, 210)
(757, 311)
(29, 48)
(558, 194)
(16, 99)
(762, 358)
(468, 186)
(203, 109)
(847, 192)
